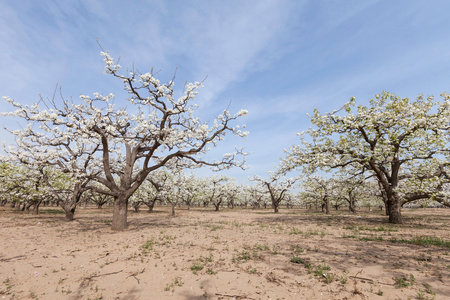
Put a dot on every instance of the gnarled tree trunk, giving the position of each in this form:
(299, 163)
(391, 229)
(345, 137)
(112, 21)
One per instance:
(70, 214)
(394, 206)
(119, 221)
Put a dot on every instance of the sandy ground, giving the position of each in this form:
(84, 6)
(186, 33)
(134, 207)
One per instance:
(232, 254)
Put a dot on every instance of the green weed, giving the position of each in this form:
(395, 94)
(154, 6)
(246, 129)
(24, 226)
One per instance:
(297, 260)
(423, 241)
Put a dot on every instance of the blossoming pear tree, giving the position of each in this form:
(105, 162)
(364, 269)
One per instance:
(321, 189)
(132, 141)
(257, 195)
(276, 187)
(404, 144)
(27, 185)
(216, 190)
(193, 190)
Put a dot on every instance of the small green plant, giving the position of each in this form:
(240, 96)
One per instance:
(380, 293)
(214, 228)
(349, 236)
(243, 255)
(329, 277)
(196, 267)
(424, 241)
(211, 271)
(297, 249)
(274, 250)
(295, 231)
(148, 245)
(175, 282)
(352, 227)
(311, 232)
(428, 289)
(297, 260)
(420, 295)
(308, 266)
(321, 268)
(403, 282)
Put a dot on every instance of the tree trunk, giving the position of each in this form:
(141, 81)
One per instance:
(352, 206)
(70, 214)
(119, 220)
(151, 205)
(327, 206)
(276, 208)
(173, 209)
(36, 207)
(395, 215)
(386, 207)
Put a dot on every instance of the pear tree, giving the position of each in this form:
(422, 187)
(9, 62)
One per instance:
(127, 142)
(402, 143)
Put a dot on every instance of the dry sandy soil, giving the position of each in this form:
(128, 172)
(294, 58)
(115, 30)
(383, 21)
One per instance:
(232, 254)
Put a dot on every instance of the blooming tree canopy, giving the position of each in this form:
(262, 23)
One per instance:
(276, 187)
(125, 144)
(404, 144)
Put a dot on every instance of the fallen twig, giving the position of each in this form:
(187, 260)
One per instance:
(136, 273)
(105, 274)
(371, 280)
(107, 253)
(361, 278)
(233, 296)
(14, 257)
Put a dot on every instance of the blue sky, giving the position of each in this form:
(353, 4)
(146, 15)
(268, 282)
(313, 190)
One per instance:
(277, 59)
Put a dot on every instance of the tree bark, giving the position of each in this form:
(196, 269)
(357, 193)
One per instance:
(70, 214)
(352, 207)
(119, 220)
(36, 207)
(276, 208)
(395, 215)
(386, 207)
(327, 205)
